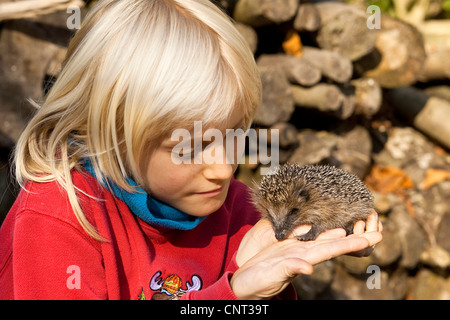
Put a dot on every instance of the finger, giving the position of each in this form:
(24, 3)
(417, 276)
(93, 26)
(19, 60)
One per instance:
(372, 237)
(362, 253)
(332, 234)
(372, 222)
(295, 266)
(302, 229)
(329, 249)
(359, 227)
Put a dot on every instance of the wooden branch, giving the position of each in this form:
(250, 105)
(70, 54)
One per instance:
(428, 114)
(261, 12)
(368, 96)
(437, 66)
(323, 97)
(329, 9)
(414, 14)
(399, 56)
(33, 8)
(277, 102)
(326, 98)
(347, 34)
(307, 18)
(332, 65)
(297, 70)
(436, 34)
(249, 35)
(440, 91)
(287, 134)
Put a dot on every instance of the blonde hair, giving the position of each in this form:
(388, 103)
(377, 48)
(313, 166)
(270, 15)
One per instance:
(135, 71)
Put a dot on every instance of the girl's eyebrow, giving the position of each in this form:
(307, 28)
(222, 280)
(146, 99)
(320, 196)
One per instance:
(239, 125)
(170, 142)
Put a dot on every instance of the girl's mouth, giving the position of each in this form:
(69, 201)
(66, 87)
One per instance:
(211, 193)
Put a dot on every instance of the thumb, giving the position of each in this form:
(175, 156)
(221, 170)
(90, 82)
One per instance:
(292, 267)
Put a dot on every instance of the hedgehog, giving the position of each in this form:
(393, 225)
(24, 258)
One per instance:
(322, 196)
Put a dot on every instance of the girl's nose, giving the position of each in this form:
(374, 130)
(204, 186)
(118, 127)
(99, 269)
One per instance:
(218, 171)
(216, 166)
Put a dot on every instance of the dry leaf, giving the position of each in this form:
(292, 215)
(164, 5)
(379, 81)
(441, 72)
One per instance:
(434, 176)
(439, 150)
(386, 179)
(293, 44)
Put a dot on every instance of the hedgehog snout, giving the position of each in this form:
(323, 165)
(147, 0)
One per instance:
(280, 235)
(281, 229)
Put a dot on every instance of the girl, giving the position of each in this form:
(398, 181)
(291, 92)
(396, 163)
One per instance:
(104, 212)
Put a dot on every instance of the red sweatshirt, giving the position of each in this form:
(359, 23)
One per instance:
(45, 254)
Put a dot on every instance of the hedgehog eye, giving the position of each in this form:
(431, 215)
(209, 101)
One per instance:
(304, 194)
(293, 212)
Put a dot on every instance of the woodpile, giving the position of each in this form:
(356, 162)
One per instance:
(346, 95)
(341, 65)
(337, 91)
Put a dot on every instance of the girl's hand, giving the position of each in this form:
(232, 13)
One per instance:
(372, 224)
(259, 237)
(267, 266)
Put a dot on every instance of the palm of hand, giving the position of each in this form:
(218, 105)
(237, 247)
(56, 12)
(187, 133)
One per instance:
(272, 264)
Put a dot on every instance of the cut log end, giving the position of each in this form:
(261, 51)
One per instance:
(347, 34)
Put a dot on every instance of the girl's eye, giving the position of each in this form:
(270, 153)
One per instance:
(191, 153)
(185, 155)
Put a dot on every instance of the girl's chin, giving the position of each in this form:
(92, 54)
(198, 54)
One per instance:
(204, 208)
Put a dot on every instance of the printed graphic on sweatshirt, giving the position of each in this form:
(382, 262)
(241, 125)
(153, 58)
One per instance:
(172, 286)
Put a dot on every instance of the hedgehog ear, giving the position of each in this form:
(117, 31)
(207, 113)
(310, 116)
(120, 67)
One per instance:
(302, 193)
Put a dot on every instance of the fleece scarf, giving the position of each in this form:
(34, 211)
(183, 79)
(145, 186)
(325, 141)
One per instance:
(152, 211)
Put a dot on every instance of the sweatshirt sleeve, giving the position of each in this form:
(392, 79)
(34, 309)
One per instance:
(220, 290)
(54, 260)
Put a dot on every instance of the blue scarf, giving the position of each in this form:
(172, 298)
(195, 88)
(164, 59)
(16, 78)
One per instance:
(149, 209)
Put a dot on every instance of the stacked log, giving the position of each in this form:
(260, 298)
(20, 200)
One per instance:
(343, 67)
(349, 93)
(27, 8)
(319, 77)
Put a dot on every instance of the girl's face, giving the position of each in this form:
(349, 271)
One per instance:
(198, 188)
